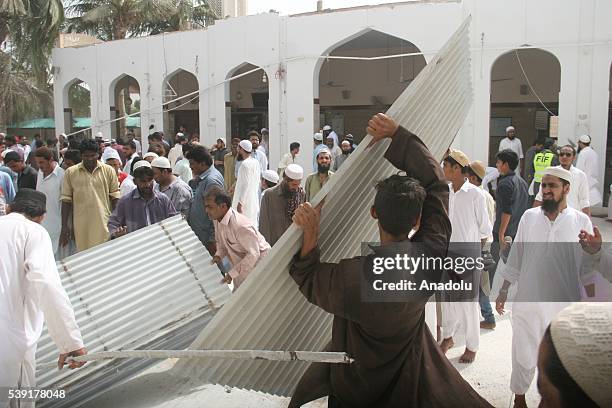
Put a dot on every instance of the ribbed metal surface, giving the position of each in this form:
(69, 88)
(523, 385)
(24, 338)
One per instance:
(268, 311)
(153, 286)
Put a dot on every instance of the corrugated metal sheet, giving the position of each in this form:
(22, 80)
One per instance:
(153, 288)
(268, 312)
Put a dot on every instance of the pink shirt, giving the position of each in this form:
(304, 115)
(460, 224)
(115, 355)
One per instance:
(238, 239)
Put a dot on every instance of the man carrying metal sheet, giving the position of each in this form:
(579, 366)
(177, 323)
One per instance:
(30, 293)
(397, 361)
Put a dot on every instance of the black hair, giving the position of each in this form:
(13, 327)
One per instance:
(134, 161)
(73, 155)
(201, 155)
(12, 156)
(294, 145)
(44, 152)
(398, 203)
(454, 162)
(254, 133)
(142, 172)
(89, 145)
(269, 184)
(539, 140)
(156, 136)
(468, 171)
(38, 144)
(219, 195)
(570, 392)
(187, 147)
(131, 144)
(508, 156)
(10, 138)
(548, 143)
(26, 205)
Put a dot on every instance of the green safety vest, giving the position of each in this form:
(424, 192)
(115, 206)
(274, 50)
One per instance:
(541, 161)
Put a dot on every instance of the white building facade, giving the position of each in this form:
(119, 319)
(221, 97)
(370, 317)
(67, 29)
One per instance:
(574, 33)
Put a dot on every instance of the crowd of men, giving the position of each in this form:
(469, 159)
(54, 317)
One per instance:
(86, 192)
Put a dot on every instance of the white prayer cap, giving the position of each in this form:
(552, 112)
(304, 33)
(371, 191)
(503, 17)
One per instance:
(246, 145)
(560, 172)
(345, 143)
(326, 127)
(150, 154)
(509, 128)
(61, 134)
(294, 171)
(581, 335)
(318, 137)
(161, 163)
(99, 135)
(264, 130)
(271, 176)
(141, 163)
(585, 139)
(110, 153)
(179, 134)
(326, 151)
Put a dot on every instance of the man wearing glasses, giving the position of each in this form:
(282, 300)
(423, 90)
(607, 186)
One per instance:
(578, 197)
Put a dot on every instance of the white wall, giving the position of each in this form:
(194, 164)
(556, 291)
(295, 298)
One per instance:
(577, 32)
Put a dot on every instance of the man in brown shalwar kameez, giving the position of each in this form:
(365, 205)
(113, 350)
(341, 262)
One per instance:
(397, 361)
(279, 203)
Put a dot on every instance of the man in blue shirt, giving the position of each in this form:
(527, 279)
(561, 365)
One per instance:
(205, 176)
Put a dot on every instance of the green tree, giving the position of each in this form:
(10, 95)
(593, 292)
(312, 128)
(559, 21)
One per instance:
(28, 29)
(119, 19)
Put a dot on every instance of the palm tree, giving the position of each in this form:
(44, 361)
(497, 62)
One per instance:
(118, 19)
(28, 29)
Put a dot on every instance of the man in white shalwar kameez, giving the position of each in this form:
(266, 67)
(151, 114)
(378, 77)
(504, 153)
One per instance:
(549, 276)
(30, 293)
(470, 223)
(588, 161)
(246, 193)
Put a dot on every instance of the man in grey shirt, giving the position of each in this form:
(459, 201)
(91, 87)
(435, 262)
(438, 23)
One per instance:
(173, 187)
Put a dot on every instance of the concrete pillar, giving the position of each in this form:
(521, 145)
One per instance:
(300, 110)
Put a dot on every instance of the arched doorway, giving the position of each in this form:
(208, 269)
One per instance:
(350, 91)
(525, 86)
(185, 111)
(246, 103)
(77, 109)
(125, 100)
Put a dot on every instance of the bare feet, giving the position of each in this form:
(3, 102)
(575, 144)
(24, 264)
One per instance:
(468, 356)
(487, 325)
(447, 344)
(519, 401)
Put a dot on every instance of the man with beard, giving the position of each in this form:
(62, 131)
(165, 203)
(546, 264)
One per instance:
(346, 151)
(578, 197)
(328, 132)
(316, 181)
(279, 204)
(90, 192)
(588, 162)
(246, 194)
(142, 207)
(513, 143)
(256, 152)
(333, 148)
(318, 146)
(549, 273)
